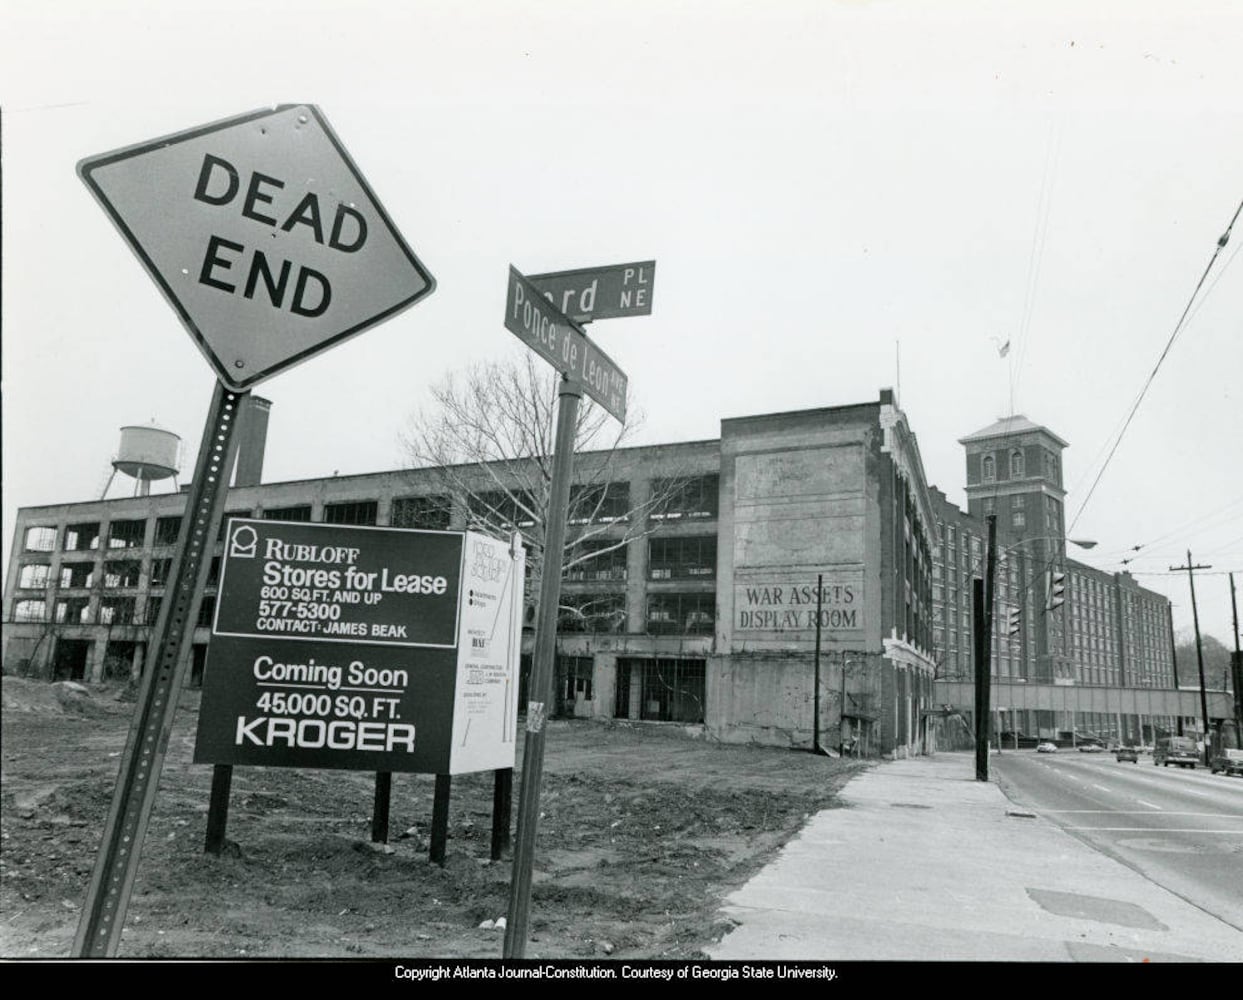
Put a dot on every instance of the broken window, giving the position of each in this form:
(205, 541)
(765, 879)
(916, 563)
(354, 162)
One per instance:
(40, 539)
(207, 611)
(429, 512)
(352, 512)
(167, 529)
(592, 613)
(661, 690)
(601, 560)
(82, 537)
(122, 573)
(30, 611)
(501, 510)
(80, 574)
(682, 558)
(127, 534)
(301, 512)
(153, 609)
(33, 576)
(696, 497)
(73, 611)
(224, 521)
(116, 611)
(681, 614)
(575, 673)
(160, 569)
(599, 503)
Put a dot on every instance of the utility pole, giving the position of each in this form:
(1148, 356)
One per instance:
(815, 722)
(982, 621)
(1236, 670)
(1169, 614)
(1195, 617)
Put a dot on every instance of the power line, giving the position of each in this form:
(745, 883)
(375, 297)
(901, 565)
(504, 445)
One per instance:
(1178, 327)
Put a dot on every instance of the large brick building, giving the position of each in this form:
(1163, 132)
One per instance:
(1108, 632)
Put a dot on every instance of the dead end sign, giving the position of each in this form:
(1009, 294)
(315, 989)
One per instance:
(263, 236)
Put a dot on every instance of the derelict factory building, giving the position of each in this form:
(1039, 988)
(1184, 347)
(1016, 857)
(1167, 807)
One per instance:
(698, 601)
(708, 614)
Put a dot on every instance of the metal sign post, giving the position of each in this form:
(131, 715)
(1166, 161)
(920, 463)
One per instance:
(270, 246)
(536, 320)
(542, 672)
(103, 913)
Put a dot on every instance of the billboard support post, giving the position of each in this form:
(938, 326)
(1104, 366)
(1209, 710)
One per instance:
(440, 820)
(218, 808)
(116, 865)
(379, 807)
(570, 394)
(502, 793)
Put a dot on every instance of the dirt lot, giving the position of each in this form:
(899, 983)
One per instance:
(645, 829)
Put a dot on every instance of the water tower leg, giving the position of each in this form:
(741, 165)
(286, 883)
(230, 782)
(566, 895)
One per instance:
(104, 494)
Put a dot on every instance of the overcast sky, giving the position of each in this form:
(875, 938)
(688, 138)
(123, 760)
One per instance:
(818, 183)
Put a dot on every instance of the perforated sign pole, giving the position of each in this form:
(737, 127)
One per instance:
(542, 673)
(103, 913)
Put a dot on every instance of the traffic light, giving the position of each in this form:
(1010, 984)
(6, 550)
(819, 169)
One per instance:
(1057, 590)
(1014, 620)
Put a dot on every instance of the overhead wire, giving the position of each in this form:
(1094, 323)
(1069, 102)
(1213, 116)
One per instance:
(1178, 328)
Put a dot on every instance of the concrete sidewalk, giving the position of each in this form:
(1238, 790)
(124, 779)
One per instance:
(925, 863)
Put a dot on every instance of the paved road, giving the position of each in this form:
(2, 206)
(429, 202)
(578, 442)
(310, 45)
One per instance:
(1182, 829)
(923, 862)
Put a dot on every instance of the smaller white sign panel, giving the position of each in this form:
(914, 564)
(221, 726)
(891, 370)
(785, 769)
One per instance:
(263, 236)
(485, 705)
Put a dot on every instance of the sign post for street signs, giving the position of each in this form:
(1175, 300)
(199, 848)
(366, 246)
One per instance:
(584, 368)
(591, 293)
(270, 247)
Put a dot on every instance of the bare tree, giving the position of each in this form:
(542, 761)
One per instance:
(487, 439)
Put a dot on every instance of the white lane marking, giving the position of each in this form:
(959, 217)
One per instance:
(1150, 805)
(1150, 829)
(1141, 812)
(1101, 787)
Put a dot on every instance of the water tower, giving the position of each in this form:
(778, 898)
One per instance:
(147, 454)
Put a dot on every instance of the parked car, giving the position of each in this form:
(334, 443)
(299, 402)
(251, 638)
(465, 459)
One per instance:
(1046, 747)
(1091, 748)
(1128, 753)
(1228, 761)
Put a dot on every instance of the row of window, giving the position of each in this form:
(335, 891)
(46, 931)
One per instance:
(988, 466)
(117, 574)
(597, 560)
(592, 504)
(112, 611)
(667, 614)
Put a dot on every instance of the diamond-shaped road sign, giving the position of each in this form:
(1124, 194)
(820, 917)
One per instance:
(262, 234)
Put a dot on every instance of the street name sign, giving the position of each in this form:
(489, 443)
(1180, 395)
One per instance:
(550, 333)
(379, 649)
(262, 234)
(610, 292)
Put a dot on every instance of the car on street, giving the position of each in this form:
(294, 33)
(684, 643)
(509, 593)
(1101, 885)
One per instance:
(1228, 761)
(1127, 753)
(1180, 750)
(1046, 747)
(1091, 748)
